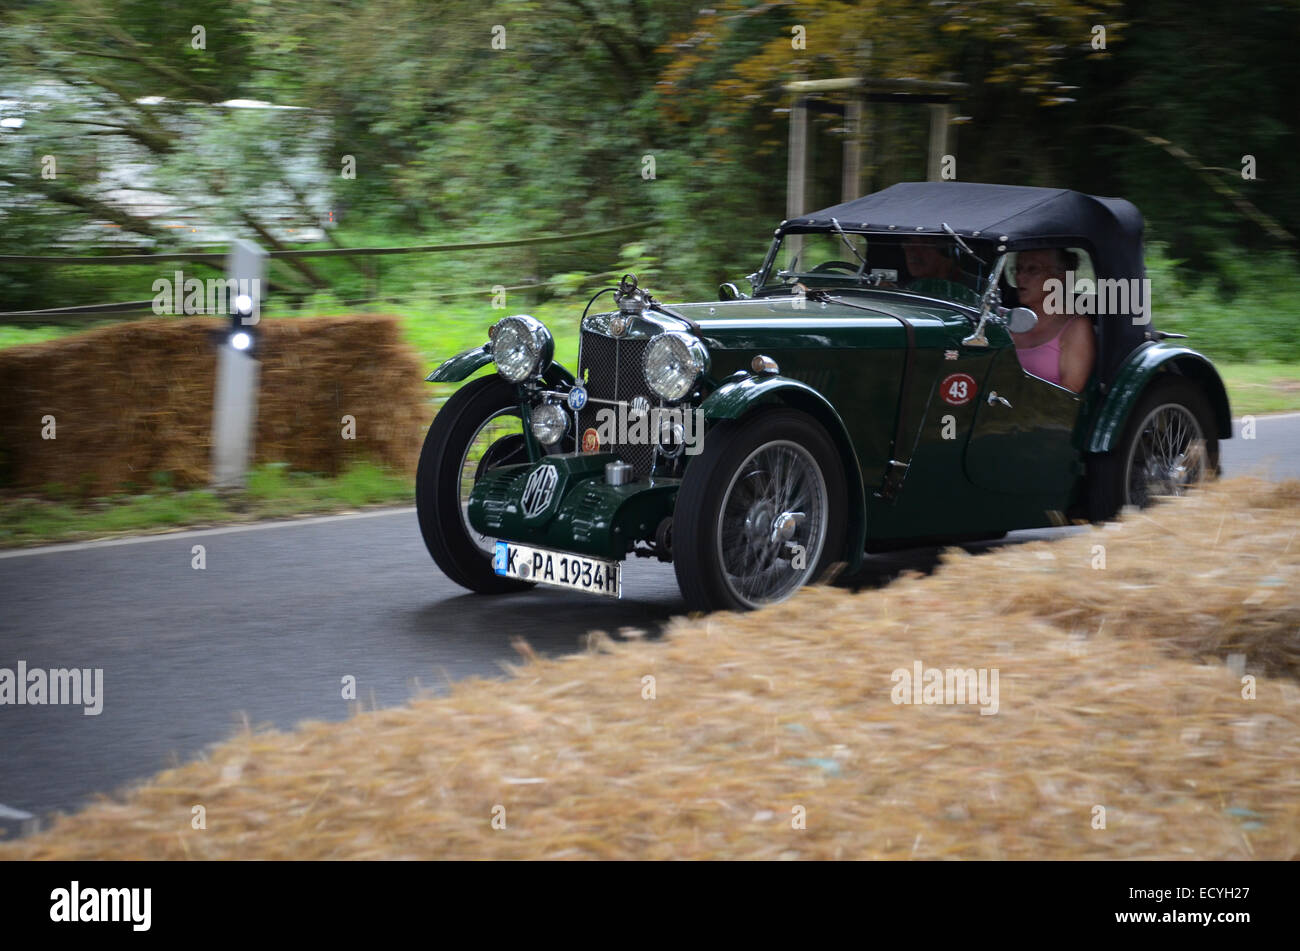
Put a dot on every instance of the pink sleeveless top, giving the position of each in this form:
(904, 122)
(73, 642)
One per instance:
(1044, 360)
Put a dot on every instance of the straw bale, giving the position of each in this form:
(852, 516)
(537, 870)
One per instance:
(1120, 688)
(131, 400)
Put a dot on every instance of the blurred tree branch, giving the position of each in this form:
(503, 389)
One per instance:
(1239, 201)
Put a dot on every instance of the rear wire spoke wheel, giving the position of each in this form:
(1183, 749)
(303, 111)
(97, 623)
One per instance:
(1167, 447)
(761, 512)
(477, 429)
(1167, 456)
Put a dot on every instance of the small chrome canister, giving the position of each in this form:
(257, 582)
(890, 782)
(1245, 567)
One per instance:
(618, 472)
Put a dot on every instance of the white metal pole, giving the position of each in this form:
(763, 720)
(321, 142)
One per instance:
(234, 412)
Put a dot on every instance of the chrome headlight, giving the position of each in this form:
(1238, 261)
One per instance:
(549, 423)
(673, 362)
(521, 347)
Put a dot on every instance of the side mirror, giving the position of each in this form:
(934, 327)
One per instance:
(729, 291)
(1021, 320)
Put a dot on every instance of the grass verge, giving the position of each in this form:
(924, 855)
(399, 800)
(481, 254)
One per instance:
(1266, 387)
(273, 492)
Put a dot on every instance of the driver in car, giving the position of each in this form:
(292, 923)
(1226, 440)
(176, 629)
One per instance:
(934, 259)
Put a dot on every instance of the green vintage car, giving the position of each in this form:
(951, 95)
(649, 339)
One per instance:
(868, 394)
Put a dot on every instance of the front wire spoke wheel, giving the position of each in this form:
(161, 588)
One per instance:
(478, 429)
(757, 511)
(761, 511)
(499, 440)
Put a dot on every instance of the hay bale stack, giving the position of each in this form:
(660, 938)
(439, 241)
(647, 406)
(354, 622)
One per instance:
(135, 399)
(316, 371)
(759, 718)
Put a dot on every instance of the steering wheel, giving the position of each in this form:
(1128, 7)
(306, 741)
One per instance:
(827, 265)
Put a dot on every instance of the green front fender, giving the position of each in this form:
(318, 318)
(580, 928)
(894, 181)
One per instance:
(739, 395)
(1138, 372)
(459, 367)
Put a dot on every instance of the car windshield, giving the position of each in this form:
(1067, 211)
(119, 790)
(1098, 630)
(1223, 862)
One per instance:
(929, 265)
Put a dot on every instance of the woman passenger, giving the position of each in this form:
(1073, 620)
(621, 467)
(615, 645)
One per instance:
(1061, 348)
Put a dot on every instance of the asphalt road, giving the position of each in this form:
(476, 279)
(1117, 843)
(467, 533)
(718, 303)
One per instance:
(284, 611)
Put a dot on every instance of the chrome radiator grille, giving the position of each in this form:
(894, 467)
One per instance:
(613, 370)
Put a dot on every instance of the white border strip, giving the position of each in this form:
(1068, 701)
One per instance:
(199, 533)
(1259, 416)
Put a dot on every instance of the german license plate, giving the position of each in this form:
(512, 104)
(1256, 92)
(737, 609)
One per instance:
(558, 568)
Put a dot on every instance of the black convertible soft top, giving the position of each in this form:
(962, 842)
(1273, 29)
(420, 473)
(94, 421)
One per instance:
(1017, 216)
(995, 218)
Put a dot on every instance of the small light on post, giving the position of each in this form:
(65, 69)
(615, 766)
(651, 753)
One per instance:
(241, 324)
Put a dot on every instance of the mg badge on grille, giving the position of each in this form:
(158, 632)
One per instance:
(618, 326)
(539, 489)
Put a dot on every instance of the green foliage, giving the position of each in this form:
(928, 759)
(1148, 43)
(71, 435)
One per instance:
(1244, 307)
(569, 283)
(16, 336)
(455, 140)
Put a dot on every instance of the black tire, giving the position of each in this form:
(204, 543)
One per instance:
(1114, 476)
(698, 544)
(437, 483)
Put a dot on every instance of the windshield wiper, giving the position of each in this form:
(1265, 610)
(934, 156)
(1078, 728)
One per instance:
(962, 244)
(849, 244)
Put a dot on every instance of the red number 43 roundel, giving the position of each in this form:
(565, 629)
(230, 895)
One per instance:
(957, 389)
